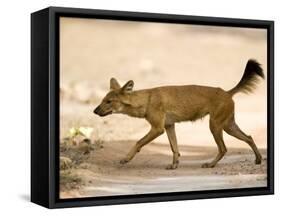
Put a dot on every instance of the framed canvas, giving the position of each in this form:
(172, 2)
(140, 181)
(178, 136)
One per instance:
(134, 107)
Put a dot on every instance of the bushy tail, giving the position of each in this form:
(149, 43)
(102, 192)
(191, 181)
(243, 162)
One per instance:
(249, 79)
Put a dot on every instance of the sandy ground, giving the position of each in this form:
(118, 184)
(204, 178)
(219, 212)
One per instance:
(153, 55)
(103, 175)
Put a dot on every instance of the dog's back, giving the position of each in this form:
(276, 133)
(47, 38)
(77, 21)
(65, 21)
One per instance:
(188, 103)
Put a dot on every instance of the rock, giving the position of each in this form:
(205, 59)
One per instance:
(65, 163)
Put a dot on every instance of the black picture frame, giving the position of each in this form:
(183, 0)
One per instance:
(45, 106)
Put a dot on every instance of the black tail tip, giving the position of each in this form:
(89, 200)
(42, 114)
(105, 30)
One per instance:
(254, 66)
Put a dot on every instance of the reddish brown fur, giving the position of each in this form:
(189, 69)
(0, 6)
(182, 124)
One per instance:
(164, 106)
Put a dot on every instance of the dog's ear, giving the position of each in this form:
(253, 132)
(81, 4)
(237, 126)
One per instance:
(128, 87)
(114, 85)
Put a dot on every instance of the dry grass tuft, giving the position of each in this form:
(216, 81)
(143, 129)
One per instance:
(69, 180)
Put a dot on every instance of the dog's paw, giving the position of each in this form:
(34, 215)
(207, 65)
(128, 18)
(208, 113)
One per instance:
(258, 161)
(208, 165)
(124, 161)
(172, 166)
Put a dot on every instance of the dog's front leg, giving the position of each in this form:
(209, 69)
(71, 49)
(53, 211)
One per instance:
(170, 130)
(152, 134)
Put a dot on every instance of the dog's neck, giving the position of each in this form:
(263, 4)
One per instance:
(136, 104)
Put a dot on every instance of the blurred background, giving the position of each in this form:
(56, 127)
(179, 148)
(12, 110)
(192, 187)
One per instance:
(155, 54)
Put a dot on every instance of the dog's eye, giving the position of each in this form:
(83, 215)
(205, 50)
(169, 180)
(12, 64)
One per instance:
(108, 102)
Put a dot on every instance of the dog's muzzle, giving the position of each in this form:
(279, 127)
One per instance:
(96, 111)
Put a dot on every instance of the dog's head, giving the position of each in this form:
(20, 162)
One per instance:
(116, 99)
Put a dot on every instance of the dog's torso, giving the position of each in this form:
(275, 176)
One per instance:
(178, 103)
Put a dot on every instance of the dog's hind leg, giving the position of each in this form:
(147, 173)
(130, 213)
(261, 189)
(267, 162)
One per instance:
(233, 130)
(170, 130)
(216, 130)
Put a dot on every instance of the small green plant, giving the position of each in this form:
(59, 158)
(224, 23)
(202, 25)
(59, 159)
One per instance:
(82, 131)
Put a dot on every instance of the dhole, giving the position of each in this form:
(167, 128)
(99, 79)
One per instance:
(164, 106)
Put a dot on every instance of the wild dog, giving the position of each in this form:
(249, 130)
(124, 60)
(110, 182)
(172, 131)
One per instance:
(164, 106)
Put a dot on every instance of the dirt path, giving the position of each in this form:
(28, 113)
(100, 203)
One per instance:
(102, 175)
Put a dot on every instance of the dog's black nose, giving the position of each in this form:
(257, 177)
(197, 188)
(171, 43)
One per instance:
(96, 110)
